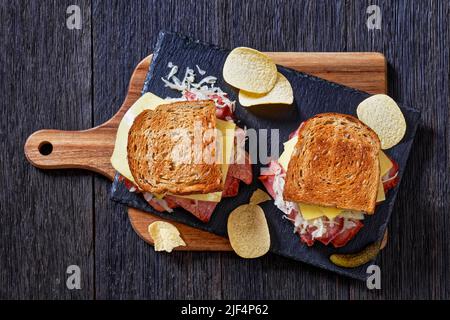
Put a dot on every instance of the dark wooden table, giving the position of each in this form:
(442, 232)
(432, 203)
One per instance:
(53, 77)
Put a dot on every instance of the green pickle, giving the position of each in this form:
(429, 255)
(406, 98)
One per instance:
(353, 260)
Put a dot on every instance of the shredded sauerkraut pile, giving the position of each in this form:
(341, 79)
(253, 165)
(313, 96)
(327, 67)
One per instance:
(205, 89)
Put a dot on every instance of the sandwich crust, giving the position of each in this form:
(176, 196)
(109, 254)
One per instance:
(335, 164)
(172, 149)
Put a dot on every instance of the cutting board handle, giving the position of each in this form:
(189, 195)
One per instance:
(57, 149)
(88, 149)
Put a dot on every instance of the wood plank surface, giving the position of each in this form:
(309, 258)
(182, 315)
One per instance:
(416, 261)
(46, 218)
(51, 79)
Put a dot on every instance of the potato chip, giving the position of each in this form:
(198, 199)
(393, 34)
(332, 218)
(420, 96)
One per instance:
(250, 70)
(259, 196)
(381, 113)
(280, 94)
(248, 231)
(165, 236)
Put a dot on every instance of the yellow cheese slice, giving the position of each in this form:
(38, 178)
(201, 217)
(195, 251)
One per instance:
(312, 212)
(285, 157)
(149, 101)
(119, 157)
(385, 163)
(380, 195)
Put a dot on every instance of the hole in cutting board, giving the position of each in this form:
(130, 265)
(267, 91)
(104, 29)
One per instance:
(45, 148)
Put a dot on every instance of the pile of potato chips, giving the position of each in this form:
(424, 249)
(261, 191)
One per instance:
(257, 78)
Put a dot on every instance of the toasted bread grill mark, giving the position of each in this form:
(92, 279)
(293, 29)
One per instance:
(156, 136)
(335, 163)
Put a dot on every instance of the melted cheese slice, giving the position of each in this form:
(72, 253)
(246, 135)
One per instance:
(285, 157)
(380, 195)
(385, 163)
(119, 159)
(312, 211)
(149, 101)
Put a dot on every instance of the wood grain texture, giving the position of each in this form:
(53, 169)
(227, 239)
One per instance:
(414, 38)
(195, 239)
(46, 218)
(89, 149)
(416, 262)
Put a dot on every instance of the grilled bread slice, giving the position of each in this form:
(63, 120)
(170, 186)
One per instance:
(335, 164)
(172, 149)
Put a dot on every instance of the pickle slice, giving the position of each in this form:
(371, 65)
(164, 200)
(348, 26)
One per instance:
(354, 260)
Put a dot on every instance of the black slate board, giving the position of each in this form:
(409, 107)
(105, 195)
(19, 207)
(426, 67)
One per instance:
(312, 96)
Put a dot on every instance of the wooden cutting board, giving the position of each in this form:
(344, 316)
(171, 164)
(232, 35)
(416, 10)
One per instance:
(91, 149)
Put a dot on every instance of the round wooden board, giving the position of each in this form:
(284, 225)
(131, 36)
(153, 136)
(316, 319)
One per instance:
(91, 149)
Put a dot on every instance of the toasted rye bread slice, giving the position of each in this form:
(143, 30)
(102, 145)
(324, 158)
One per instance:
(335, 164)
(173, 149)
